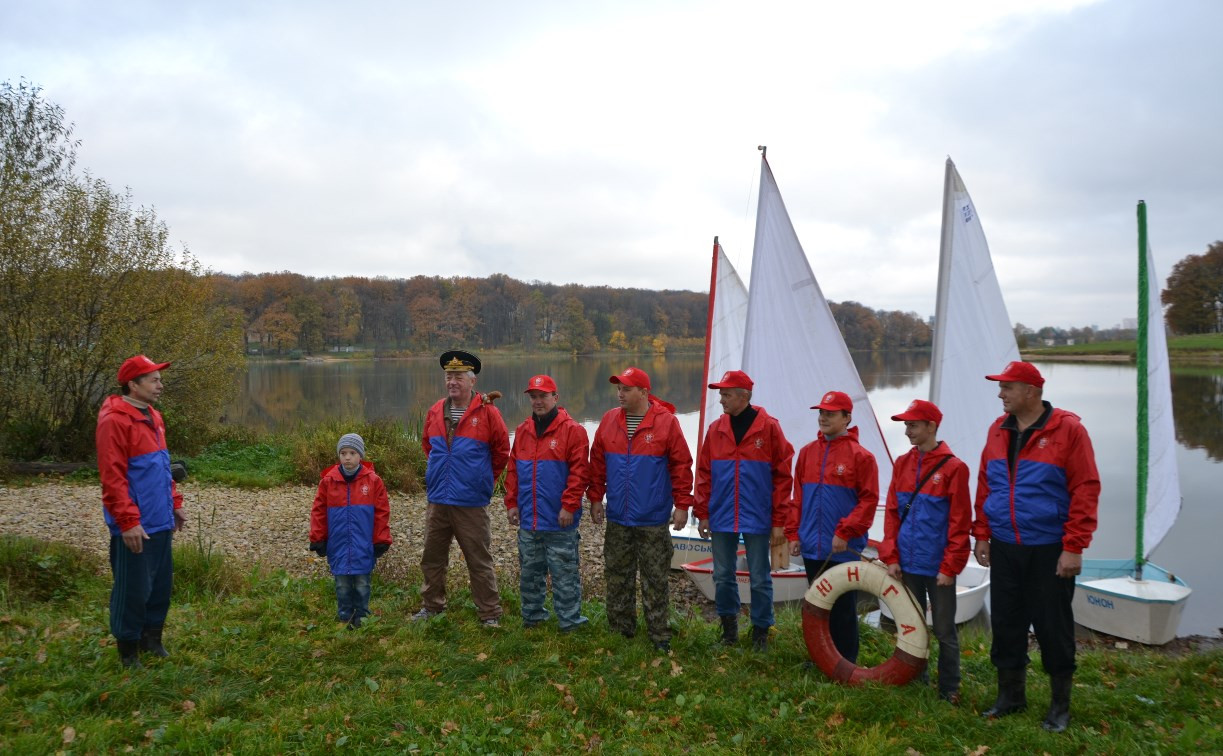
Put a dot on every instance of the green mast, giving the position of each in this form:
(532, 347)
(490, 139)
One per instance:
(1143, 426)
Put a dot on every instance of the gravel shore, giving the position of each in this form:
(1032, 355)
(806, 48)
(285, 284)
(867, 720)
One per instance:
(270, 527)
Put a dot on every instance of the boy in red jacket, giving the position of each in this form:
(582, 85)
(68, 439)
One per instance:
(925, 532)
(350, 525)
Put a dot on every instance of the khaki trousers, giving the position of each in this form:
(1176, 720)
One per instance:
(470, 527)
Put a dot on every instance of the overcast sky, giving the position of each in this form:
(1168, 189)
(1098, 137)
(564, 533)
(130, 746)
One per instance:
(608, 143)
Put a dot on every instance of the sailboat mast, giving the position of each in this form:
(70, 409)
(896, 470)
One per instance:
(1144, 451)
(713, 292)
(944, 288)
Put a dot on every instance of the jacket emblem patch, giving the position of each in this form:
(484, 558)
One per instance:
(475, 421)
(759, 443)
(936, 478)
(1043, 442)
(365, 489)
(552, 444)
(649, 438)
(840, 470)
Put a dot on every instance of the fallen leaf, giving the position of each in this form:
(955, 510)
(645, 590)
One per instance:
(836, 720)
(481, 657)
(69, 735)
(41, 656)
(449, 727)
(980, 751)
(676, 669)
(188, 706)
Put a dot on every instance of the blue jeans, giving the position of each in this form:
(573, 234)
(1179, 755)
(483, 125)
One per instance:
(726, 587)
(351, 596)
(541, 552)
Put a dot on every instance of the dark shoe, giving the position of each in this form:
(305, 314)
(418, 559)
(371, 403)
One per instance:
(760, 639)
(952, 697)
(150, 641)
(730, 630)
(491, 622)
(628, 634)
(531, 624)
(1058, 716)
(663, 646)
(129, 654)
(1012, 693)
(354, 622)
(424, 614)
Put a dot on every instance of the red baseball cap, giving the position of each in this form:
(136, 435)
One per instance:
(134, 367)
(1020, 372)
(835, 400)
(733, 379)
(540, 383)
(920, 409)
(632, 377)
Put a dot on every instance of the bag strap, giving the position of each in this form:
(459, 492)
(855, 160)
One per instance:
(921, 483)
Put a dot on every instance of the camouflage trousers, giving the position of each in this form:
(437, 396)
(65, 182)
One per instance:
(626, 552)
(555, 552)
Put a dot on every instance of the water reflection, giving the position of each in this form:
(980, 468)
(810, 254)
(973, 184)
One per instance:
(1197, 405)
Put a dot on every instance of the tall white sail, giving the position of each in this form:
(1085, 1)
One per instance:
(1163, 480)
(972, 332)
(724, 339)
(792, 347)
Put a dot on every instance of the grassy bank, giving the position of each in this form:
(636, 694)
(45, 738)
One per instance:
(260, 666)
(1194, 349)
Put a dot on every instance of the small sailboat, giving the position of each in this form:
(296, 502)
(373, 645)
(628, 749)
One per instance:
(1133, 598)
(789, 582)
(723, 351)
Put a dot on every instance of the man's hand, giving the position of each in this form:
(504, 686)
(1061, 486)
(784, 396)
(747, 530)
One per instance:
(1069, 564)
(981, 551)
(702, 528)
(943, 580)
(596, 512)
(679, 518)
(511, 516)
(564, 519)
(839, 544)
(180, 520)
(319, 547)
(778, 537)
(380, 549)
(134, 538)
(794, 549)
(894, 571)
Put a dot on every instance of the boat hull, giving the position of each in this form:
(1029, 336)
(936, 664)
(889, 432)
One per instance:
(789, 584)
(1109, 600)
(688, 546)
(971, 589)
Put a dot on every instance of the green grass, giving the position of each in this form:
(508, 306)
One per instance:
(265, 669)
(1183, 345)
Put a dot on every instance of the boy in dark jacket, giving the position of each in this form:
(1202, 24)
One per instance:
(349, 524)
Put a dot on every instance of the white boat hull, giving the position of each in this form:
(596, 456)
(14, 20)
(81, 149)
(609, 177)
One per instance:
(688, 546)
(1109, 600)
(789, 584)
(971, 589)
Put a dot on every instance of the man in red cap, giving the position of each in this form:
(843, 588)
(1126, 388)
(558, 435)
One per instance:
(544, 483)
(743, 486)
(640, 460)
(836, 490)
(1037, 493)
(925, 531)
(142, 508)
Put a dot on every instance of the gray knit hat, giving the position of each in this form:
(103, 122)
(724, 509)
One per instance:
(352, 441)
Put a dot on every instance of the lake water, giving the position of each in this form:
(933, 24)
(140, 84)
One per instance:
(281, 395)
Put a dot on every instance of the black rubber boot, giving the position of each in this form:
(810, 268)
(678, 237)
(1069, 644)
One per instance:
(760, 639)
(1058, 716)
(150, 640)
(129, 654)
(730, 630)
(1012, 693)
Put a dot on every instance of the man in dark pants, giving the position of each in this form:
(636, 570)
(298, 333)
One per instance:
(142, 508)
(1037, 492)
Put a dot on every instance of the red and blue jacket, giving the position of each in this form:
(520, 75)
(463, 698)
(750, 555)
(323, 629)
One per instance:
(744, 487)
(643, 478)
(461, 471)
(932, 537)
(548, 473)
(836, 491)
(1052, 494)
(134, 467)
(351, 516)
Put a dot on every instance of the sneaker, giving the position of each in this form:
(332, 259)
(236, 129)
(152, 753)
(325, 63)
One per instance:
(491, 622)
(760, 639)
(424, 614)
(531, 624)
(952, 698)
(663, 646)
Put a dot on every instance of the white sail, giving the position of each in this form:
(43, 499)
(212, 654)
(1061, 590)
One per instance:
(792, 347)
(727, 318)
(1163, 481)
(972, 332)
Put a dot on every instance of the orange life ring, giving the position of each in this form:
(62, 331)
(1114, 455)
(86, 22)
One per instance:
(912, 637)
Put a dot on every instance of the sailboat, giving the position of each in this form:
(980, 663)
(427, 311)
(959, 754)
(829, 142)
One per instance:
(788, 315)
(1133, 598)
(972, 337)
(723, 351)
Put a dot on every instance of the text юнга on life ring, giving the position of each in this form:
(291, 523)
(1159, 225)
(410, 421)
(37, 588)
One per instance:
(912, 637)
